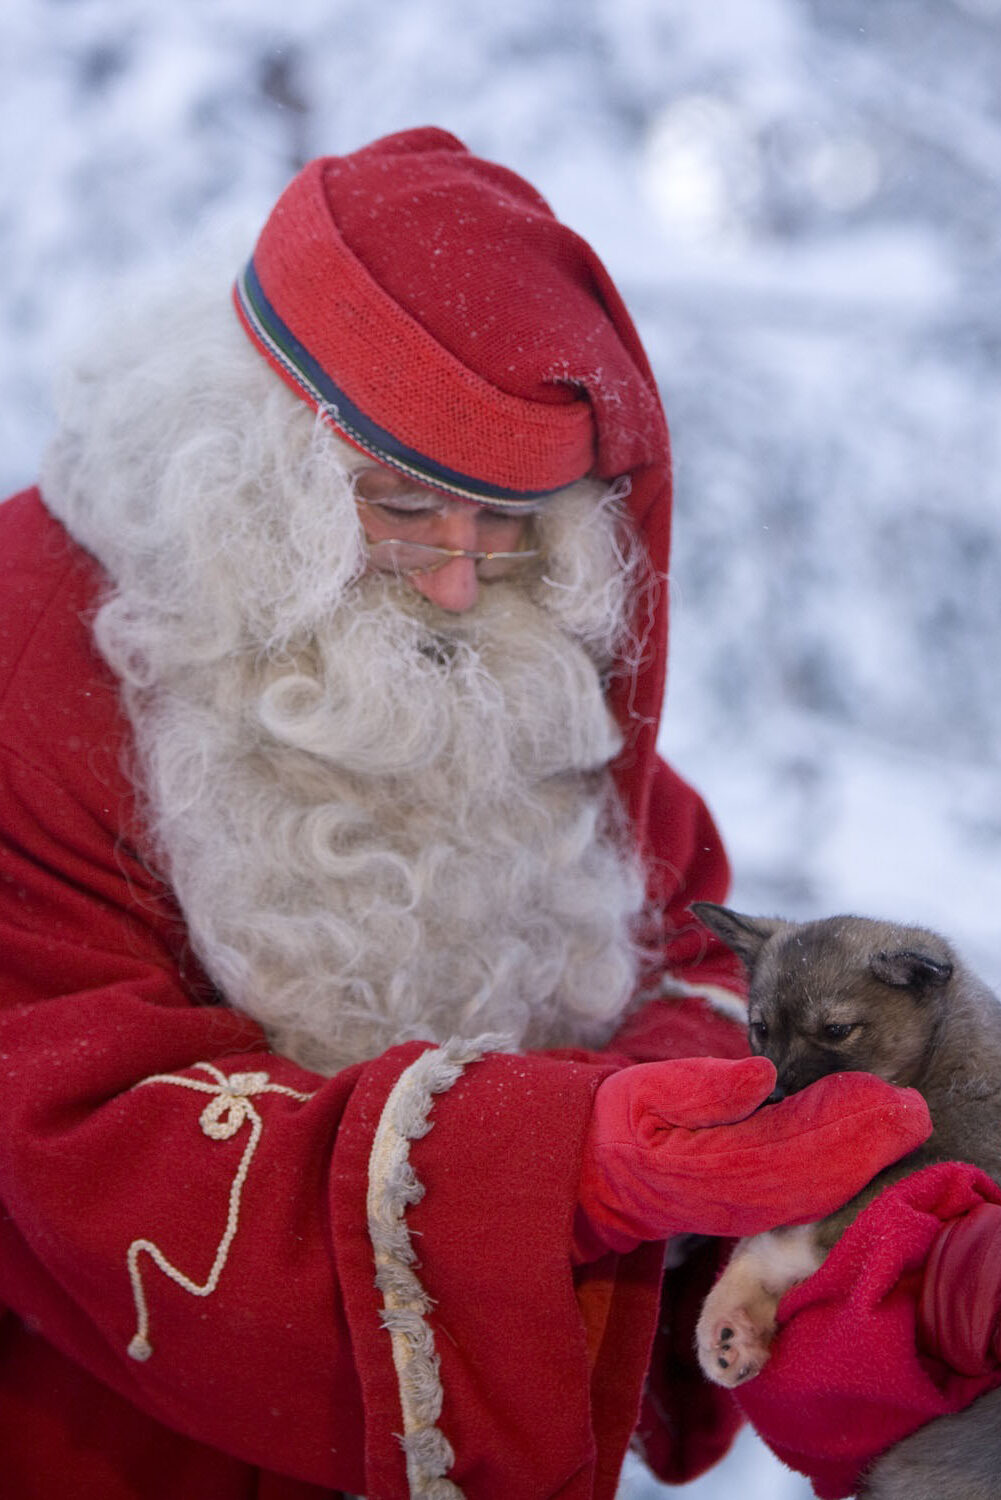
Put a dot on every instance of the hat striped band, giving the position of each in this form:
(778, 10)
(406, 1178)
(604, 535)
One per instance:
(304, 373)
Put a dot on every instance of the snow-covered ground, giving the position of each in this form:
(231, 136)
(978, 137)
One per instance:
(801, 201)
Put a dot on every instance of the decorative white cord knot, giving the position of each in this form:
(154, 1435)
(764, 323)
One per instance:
(226, 1112)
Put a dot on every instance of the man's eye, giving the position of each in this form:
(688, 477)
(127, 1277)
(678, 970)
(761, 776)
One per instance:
(405, 512)
(836, 1032)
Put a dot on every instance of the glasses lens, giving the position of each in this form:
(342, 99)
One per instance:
(395, 556)
(405, 557)
(503, 564)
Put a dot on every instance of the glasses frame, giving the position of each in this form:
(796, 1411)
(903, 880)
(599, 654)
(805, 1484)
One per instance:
(439, 557)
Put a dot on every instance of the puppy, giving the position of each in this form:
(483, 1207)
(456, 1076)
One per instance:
(851, 994)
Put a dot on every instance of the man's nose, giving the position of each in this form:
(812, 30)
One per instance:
(454, 586)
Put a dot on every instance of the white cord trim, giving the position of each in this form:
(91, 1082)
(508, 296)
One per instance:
(392, 1185)
(722, 1000)
(222, 1117)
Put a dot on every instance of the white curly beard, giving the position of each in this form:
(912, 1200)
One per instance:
(382, 822)
(403, 834)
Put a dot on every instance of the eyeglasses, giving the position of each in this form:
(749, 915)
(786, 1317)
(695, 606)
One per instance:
(394, 556)
(400, 555)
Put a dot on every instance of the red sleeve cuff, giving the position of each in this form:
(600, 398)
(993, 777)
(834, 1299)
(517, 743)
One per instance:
(958, 1314)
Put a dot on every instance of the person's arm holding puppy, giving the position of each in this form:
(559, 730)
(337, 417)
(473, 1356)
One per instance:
(896, 1329)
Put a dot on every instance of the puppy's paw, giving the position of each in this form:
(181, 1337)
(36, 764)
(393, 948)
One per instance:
(733, 1343)
(737, 1324)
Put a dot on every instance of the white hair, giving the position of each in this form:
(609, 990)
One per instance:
(381, 821)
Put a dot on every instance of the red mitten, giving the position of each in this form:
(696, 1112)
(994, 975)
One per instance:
(682, 1147)
(959, 1315)
(850, 1372)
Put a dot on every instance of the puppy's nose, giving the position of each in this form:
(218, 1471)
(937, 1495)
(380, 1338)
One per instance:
(777, 1094)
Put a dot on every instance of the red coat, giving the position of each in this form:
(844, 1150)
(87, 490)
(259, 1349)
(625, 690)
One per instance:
(172, 1188)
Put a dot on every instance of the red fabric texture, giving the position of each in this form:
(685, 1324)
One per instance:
(353, 258)
(686, 1423)
(959, 1315)
(281, 1382)
(680, 1026)
(683, 1147)
(356, 256)
(850, 1372)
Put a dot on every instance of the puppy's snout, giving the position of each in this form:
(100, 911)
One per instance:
(777, 1094)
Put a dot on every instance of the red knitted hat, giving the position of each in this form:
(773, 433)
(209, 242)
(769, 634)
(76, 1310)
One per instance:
(433, 309)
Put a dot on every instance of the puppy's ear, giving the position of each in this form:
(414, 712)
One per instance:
(908, 969)
(746, 936)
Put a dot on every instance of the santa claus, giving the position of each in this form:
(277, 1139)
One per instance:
(358, 1053)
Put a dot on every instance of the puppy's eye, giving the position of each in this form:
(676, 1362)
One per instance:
(838, 1032)
(759, 1030)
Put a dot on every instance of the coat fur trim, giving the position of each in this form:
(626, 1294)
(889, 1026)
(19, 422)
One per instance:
(392, 1185)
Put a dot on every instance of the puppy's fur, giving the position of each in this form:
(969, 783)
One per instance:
(851, 994)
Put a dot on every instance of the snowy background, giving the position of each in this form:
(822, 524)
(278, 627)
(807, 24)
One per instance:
(801, 202)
